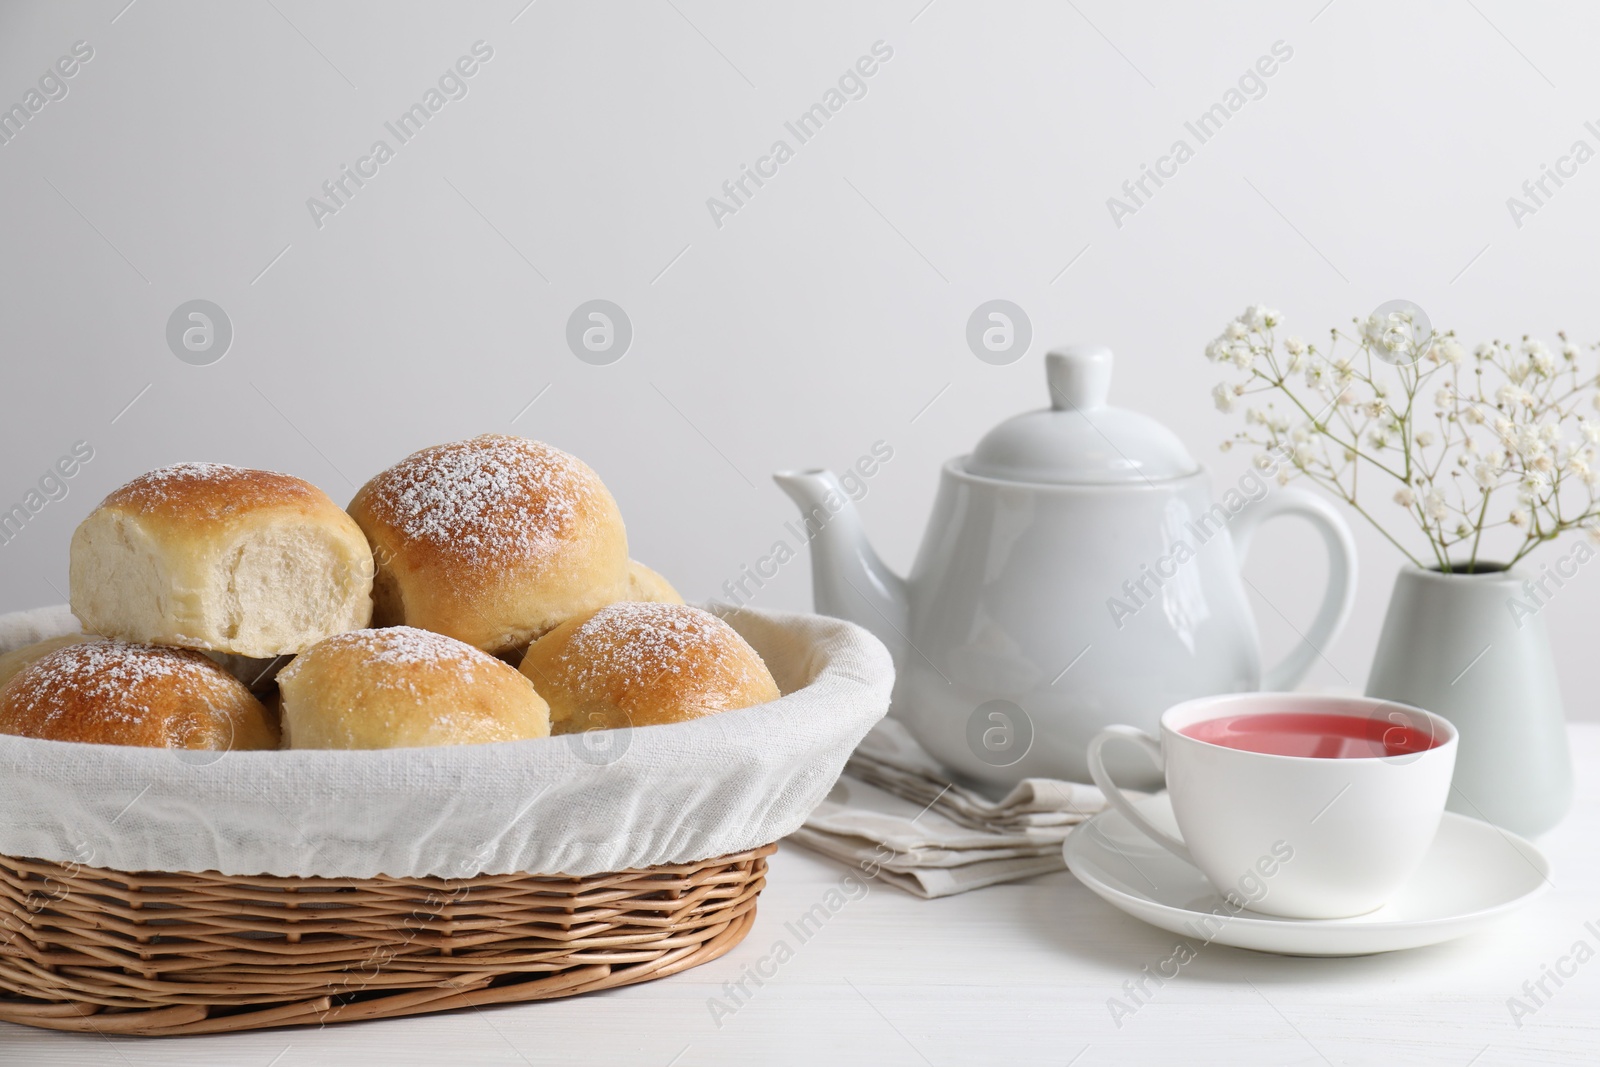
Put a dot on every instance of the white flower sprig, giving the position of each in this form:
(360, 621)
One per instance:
(1452, 429)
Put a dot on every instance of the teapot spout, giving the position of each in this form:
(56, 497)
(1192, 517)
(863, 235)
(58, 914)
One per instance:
(848, 580)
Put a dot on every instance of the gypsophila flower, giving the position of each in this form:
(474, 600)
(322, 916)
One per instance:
(1510, 396)
(1363, 418)
(1526, 442)
(1540, 361)
(1373, 327)
(1395, 333)
(1258, 317)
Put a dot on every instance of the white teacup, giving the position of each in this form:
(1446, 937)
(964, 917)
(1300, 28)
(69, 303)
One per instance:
(1299, 836)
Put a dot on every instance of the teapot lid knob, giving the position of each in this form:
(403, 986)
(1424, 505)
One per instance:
(1080, 439)
(1079, 377)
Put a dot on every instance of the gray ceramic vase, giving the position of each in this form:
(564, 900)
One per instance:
(1473, 648)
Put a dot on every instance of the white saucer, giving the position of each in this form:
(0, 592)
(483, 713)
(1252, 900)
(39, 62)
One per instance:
(1474, 874)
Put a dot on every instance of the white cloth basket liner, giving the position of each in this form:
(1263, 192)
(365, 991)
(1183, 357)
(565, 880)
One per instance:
(579, 805)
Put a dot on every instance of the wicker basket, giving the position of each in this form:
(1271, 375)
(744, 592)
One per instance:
(164, 954)
(325, 939)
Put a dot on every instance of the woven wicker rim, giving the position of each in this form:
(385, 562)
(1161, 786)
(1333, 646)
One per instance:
(94, 950)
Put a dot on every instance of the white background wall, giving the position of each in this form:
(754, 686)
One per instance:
(826, 314)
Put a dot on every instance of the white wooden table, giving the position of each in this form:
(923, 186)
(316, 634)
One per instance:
(1017, 974)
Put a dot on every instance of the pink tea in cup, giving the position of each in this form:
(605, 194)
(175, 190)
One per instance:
(1317, 735)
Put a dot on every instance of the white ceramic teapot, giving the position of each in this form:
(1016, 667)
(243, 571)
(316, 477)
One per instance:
(1075, 573)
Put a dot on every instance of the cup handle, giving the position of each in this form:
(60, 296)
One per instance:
(1337, 599)
(1097, 771)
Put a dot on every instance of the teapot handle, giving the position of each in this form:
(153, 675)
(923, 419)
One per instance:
(1340, 594)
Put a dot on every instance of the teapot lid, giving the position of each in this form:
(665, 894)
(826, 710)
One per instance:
(1080, 439)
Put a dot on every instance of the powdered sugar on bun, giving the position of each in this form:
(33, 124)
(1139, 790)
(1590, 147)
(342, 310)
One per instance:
(629, 643)
(493, 499)
(643, 664)
(401, 687)
(406, 646)
(18, 659)
(114, 692)
(492, 540)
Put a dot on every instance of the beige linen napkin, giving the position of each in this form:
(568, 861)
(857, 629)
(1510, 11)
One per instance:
(896, 815)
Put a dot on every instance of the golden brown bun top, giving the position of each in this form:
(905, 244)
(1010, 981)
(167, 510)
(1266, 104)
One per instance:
(401, 687)
(115, 693)
(212, 492)
(640, 664)
(491, 501)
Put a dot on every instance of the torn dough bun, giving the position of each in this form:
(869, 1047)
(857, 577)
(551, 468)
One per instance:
(223, 559)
